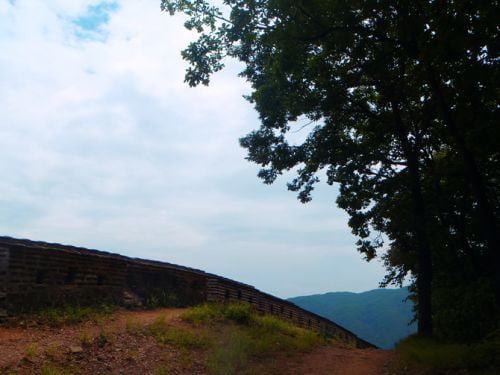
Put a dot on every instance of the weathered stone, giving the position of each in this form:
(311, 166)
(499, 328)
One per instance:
(75, 349)
(131, 299)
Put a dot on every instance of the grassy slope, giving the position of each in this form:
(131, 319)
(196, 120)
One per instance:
(209, 339)
(379, 316)
(212, 339)
(243, 338)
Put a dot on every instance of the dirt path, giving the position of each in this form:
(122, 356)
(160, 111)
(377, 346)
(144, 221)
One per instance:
(334, 360)
(28, 350)
(79, 349)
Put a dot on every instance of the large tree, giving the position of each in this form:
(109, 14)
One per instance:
(389, 90)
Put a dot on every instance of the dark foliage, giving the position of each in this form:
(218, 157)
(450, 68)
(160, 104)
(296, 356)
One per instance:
(402, 102)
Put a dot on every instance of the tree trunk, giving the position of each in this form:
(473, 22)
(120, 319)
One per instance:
(424, 272)
(424, 257)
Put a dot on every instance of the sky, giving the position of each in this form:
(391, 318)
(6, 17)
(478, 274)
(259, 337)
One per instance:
(102, 145)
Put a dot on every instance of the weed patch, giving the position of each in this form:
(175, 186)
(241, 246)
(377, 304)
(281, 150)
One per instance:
(207, 313)
(232, 353)
(133, 327)
(85, 337)
(162, 299)
(211, 313)
(71, 314)
(165, 334)
(102, 337)
(48, 369)
(31, 350)
(239, 313)
(244, 337)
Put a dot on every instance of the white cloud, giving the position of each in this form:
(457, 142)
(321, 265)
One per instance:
(103, 145)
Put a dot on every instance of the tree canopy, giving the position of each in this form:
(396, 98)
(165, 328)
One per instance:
(402, 103)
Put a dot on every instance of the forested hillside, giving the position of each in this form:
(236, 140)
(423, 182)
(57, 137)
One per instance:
(380, 316)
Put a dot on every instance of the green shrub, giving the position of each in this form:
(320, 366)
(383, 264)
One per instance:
(71, 314)
(272, 324)
(162, 298)
(206, 313)
(165, 334)
(248, 336)
(465, 312)
(431, 353)
(239, 313)
(277, 335)
(242, 336)
(240, 345)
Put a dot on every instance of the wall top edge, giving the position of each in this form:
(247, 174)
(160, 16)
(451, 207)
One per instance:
(18, 242)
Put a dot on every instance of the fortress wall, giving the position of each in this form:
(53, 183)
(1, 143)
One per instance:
(43, 276)
(37, 274)
(161, 285)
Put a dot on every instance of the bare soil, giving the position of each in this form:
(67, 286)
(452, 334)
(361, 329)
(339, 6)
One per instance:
(111, 347)
(335, 360)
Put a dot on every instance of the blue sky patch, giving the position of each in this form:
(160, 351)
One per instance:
(94, 18)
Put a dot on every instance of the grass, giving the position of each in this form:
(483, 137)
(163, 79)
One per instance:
(85, 337)
(162, 299)
(102, 337)
(132, 326)
(166, 334)
(431, 354)
(224, 339)
(49, 369)
(212, 313)
(244, 338)
(185, 364)
(31, 350)
(71, 314)
(205, 314)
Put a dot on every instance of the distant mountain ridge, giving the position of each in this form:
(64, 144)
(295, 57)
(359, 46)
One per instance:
(380, 316)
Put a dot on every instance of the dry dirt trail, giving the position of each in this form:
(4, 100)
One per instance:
(27, 350)
(333, 360)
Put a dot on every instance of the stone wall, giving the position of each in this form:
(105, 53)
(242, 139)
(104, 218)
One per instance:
(40, 276)
(161, 284)
(34, 275)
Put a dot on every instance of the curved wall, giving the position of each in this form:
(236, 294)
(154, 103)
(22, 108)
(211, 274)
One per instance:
(38, 274)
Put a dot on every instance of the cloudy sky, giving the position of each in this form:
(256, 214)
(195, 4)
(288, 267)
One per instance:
(102, 145)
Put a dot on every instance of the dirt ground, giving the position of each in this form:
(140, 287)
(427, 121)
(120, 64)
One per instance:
(334, 360)
(110, 347)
